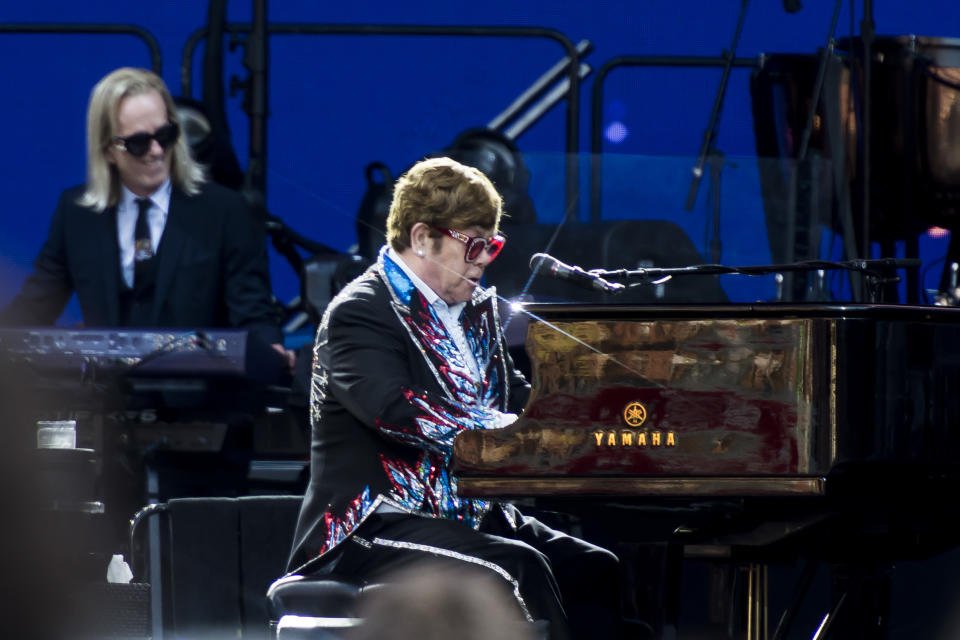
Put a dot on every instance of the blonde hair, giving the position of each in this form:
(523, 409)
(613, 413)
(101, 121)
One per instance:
(445, 193)
(103, 182)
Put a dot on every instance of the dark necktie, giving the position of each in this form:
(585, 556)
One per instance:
(143, 246)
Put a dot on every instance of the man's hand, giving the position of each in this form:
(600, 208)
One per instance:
(289, 357)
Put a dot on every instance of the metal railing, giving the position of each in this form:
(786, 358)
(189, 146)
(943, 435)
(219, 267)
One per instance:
(573, 69)
(596, 113)
(91, 29)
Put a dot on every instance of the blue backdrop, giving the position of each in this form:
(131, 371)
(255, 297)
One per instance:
(338, 103)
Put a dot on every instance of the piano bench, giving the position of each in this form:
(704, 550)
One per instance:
(313, 608)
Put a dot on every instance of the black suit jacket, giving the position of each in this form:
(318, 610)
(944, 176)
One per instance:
(212, 267)
(386, 407)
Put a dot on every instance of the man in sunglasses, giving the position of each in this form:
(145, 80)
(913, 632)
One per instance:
(407, 356)
(147, 241)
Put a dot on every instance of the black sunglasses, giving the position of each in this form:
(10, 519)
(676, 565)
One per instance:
(138, 144)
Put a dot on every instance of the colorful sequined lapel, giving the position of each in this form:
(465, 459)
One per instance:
(439, 349)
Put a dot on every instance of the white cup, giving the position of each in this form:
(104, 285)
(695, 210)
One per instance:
(56, 434)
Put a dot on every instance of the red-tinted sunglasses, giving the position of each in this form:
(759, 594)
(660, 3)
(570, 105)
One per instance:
(475, 246)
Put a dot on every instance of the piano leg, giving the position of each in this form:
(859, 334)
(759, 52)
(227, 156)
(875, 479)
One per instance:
(757, 601)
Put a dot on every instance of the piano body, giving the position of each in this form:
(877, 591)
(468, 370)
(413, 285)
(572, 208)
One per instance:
(747, 426)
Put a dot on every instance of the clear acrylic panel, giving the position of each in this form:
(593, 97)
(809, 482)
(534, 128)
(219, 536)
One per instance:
(631, 212)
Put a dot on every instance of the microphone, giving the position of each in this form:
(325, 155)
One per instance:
(545, 264)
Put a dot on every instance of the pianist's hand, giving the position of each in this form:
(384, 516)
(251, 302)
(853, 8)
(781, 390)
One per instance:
(505, 419)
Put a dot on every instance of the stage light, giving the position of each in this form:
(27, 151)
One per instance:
(499, 158)
(210, 148)
(616, 132)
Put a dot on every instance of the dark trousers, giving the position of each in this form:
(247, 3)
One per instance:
(572, 584)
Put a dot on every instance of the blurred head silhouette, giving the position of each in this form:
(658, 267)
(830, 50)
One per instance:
(437, 602)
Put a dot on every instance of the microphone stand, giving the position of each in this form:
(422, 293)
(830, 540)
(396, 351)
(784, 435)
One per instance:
(256, 60)
(876, 271)
(867, 36)
(842, 197)
(213, 99)
(708, 151)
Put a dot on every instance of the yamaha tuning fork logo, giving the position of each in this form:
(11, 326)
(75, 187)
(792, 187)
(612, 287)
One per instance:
(635, 415)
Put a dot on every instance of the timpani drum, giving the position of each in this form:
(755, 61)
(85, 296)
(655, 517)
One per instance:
(914, 140)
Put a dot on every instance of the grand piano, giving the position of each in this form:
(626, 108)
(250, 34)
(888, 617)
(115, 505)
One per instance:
(828, 432)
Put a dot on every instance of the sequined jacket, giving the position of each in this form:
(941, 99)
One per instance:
(386, 405)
